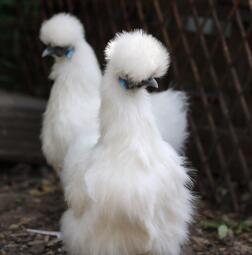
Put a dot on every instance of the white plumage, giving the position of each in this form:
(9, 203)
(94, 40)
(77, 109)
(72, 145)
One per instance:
(75, 98)
(127, 193)
(170, 109)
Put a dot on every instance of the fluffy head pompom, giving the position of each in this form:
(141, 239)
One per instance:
(137, 55)
(61, 30)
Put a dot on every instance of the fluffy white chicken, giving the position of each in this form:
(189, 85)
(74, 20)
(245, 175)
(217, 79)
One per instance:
(74, 101)
(128, 193)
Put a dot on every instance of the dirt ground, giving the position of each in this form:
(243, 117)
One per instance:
(31, 198)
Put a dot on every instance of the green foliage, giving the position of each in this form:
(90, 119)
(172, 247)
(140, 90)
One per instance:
(222, 231)
(209, 224)
(227, 227)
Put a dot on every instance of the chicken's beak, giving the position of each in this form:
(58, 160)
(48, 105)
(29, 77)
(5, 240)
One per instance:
(47, 52)
(151, 83)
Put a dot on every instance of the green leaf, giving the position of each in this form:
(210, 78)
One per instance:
(209, 224)
(222, 231)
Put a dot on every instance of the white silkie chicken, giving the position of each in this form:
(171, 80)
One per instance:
(74, 101)
(128, 193)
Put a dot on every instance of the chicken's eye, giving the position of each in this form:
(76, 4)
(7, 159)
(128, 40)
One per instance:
(123, 83)
(69, 52)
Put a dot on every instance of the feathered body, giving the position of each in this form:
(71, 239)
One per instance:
(127, 194)
(74, 100)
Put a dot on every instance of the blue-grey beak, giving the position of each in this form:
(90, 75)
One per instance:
(151, 83)
(47, 52)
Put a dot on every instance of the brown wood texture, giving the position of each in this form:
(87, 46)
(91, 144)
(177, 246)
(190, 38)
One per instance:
(20, 125)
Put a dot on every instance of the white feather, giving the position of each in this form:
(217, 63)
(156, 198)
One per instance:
(127, 193)
(61, 30)
(170, 109)
(75, 98)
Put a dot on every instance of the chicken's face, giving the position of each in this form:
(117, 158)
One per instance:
(61, 35)
(128, 84)
(136, 59)
(59, 51)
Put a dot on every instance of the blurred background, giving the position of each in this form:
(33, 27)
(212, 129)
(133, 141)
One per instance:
(211, 49)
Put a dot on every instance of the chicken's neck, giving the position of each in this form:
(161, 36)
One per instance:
(126, 115)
